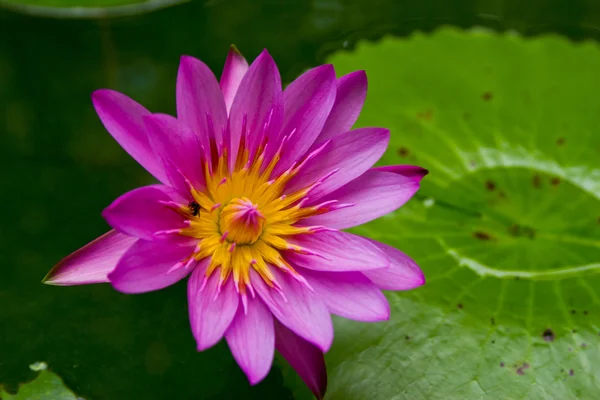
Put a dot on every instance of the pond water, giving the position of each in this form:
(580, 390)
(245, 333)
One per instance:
(60, 169)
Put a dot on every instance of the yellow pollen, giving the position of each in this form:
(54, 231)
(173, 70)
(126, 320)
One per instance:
(241, 221)
(244, 216)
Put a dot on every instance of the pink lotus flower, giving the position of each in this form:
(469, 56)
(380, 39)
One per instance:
(256, 184)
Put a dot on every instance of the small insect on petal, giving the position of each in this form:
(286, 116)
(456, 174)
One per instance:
(194, 208)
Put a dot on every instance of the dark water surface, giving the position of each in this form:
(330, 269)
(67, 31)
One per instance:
(59, 169)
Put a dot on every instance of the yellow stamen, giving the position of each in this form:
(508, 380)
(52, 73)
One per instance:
(245, 215)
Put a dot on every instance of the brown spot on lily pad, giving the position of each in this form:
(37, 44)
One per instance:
(482, 235)
(518, 230)
(536, 181)
(555, 181)
(487, 96)
(529, 232)
(490, 185)
(548, 335)
(425, 115)
(522, 368)
(403, 152)
(571, 372)
(459, 306)
(502, 364)
(560, 141)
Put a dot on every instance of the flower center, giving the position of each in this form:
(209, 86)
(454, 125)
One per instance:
(241, 221)
(240, 235)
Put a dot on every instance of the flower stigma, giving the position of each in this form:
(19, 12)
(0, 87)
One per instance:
(242, 221)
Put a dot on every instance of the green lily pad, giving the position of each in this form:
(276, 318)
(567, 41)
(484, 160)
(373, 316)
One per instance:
(506, 226)
(46, 385)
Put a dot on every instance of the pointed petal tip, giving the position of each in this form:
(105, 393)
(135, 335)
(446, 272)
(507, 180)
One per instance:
(324, 347)
(200, 347)
(91, 263)
(377, 131)
(413, 277)
(265, 56)
(186, 58)
(105, 213)
(94, 95)
(233, 49)
(328, 70)
(388, 313)
(415, 281)
(419, 173)
(99, 92)
(57, 277)
(359, 74)
(320, 392)
(402, 274)
(54, 277)
(106, 97)
(409, 171)
(356, 79)
(186, 61)
(422, 280)
(50, 277)
(61, 275)
(100, 95)
(304, 357)
(255, 379)
(235, 54)
(203, 344)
